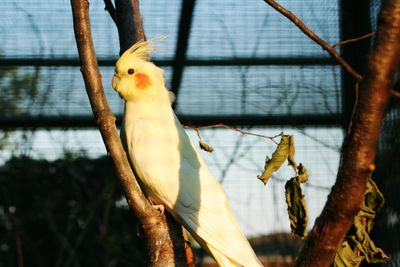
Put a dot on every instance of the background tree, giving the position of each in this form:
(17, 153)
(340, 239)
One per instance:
(359, 148)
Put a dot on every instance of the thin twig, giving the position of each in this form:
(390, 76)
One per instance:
(221, 125)
(354, 39)
(111, 10)
(354, 108)
(395, 94)
(331, 50)
(196, 130)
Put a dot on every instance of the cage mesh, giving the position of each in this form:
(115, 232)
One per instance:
(228, 30)
(221, 30)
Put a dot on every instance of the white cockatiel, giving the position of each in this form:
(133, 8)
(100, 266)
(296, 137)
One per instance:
(171, 171)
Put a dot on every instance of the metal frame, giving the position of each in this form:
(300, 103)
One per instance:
(178, 63)
(22, 122)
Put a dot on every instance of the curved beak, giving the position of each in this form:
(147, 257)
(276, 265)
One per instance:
(115, 80)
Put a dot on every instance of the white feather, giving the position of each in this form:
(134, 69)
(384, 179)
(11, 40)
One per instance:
(173, 173)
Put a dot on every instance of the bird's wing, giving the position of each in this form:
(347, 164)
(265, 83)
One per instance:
(209, 214)
(175, 174)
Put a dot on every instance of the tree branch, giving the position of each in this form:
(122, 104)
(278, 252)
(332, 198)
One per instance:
(354, 39)
(161, 239)
(222, 125)
(395, 94)
(111, 10)
(129, 23)
(331, 50)
(359, 147)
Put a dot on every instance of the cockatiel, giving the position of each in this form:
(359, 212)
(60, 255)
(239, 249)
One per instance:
(171, 171)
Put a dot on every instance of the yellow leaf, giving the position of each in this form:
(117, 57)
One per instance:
(278, 157)
(358, 245)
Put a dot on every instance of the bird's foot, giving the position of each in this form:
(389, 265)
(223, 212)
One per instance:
(160, 208)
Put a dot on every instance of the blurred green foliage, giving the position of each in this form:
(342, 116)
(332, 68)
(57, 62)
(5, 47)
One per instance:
(68, 212)
(15, 86)
(18, 91)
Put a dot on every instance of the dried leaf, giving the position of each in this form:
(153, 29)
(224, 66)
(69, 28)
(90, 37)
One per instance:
(367, 247)
(302, 174)
(206, 147)
(278, 157)
(297, 208)
(361, 244)
(373, 199)
(346, 257)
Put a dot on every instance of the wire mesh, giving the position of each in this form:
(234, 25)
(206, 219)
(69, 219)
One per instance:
(235, 162)
(223, 30)
(32, 29)
(230, 29)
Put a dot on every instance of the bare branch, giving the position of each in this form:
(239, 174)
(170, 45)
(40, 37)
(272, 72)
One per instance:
(354, 107)
(221, 125)
(354, 39)
(359, 148)
(157, 230)
(331, 50)
(395, 94)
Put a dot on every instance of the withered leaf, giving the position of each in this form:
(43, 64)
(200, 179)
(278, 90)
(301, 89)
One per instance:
(278, 157)
(302, 174)
(357, 243)
(206, 147)
(297, 209)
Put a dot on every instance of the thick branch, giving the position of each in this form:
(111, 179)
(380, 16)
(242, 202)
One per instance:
(331, 50)
(158, 234)
(128, 15)
(111, 9)
(359, 150)
(130, 29)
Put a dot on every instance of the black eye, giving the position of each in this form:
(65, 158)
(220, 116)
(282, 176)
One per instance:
(131, 71)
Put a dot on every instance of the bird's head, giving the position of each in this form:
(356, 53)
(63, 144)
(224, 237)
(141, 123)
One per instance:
(135, 77)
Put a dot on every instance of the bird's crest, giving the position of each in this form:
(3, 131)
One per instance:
(139, 51)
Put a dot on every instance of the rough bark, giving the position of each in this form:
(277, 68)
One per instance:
(359, 149)
(165, 244)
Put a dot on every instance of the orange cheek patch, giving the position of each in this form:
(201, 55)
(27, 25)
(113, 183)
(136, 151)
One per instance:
(142, 81)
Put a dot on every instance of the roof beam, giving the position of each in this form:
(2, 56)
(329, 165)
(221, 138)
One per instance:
(110, 62)
(54, 122)
(182, 42)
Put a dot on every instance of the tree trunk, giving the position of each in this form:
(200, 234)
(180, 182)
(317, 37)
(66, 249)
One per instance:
(359, 148)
